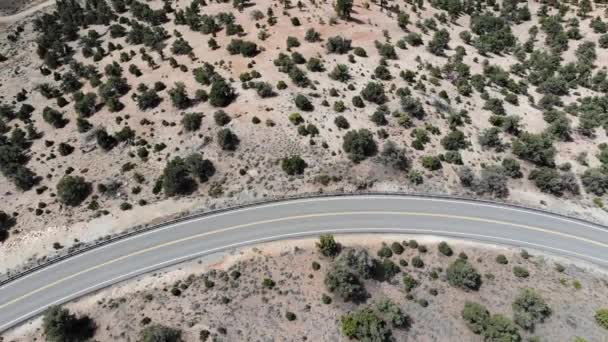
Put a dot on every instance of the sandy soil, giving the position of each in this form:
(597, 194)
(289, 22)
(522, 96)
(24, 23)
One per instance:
(261, 147)
(253, 313)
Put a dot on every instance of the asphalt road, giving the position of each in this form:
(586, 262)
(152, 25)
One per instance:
(98, 268)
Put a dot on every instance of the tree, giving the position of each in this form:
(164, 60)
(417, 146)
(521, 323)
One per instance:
(445, 249)
(160, 333)
(6, 222)
(403, 19)
(203, 169)
(179, 96)
(595, 180)
(338, 44)
(551, 181)
(73, 190)
(530, 308)
(584, 7)
(344, 8)
(85, 104)
(148, 99)
(359, 144)
(365, 325)
(340, 73)
(328, 246)
(454, 141)
(293, 165)
(374, 92)
(461, 274)
(536, 148)
(54, 117)
(227, 140)
(221, 94)
(476, 316)
(60, 325)
(181, 47)
(439, 43)
(341, 122)
(221, 118)
(192, 121)
(413, 107)
(176, 179)
(303, 103)
(344, 283)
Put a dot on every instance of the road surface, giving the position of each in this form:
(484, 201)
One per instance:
(112, 263)
(26, 12)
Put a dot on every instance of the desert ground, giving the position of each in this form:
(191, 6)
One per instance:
(229, 308)
(119, 160)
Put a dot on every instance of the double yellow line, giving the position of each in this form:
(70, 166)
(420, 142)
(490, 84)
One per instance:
(290, 218)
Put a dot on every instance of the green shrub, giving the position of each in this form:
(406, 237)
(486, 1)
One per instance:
(221, 93)
(192, 121)
(200, 168)
(601, 317)
(365, 325)
(454, 141)
(374, 92)
(359, 144)
(445, 249)
(431, 163)
(303, 103)
(341, 122)
(500, 328)
(417, 262)
(54, 117)
(73, 190)
(268, 283)
(290, 316)
(535, 148)
(520, 272)
(60, 325)
(501, 259)
(385, 251)
(439, 43)
(6, 222)
(221, 118)
(227, 140)
(551, 181)
(160, 333)
(176, 179)
(338, 44)
(293, 165)
(397, 248)
(476, 316)
(345, 283)
(179, 96)
(529, 308)
(461, 274)
(328, 246)
(340, 73)
(409, 283)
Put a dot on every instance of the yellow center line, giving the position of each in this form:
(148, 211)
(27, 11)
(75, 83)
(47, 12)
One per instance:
(245, 225)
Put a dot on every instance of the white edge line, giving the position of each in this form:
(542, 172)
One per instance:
(274, 238)
(305, 200)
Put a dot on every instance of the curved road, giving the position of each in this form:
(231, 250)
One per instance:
(100, 267)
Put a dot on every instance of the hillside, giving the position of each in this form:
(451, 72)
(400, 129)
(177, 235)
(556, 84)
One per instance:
(122, 112)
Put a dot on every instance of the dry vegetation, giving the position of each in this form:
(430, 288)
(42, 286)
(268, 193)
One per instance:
(118, 112)
(280, 292)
